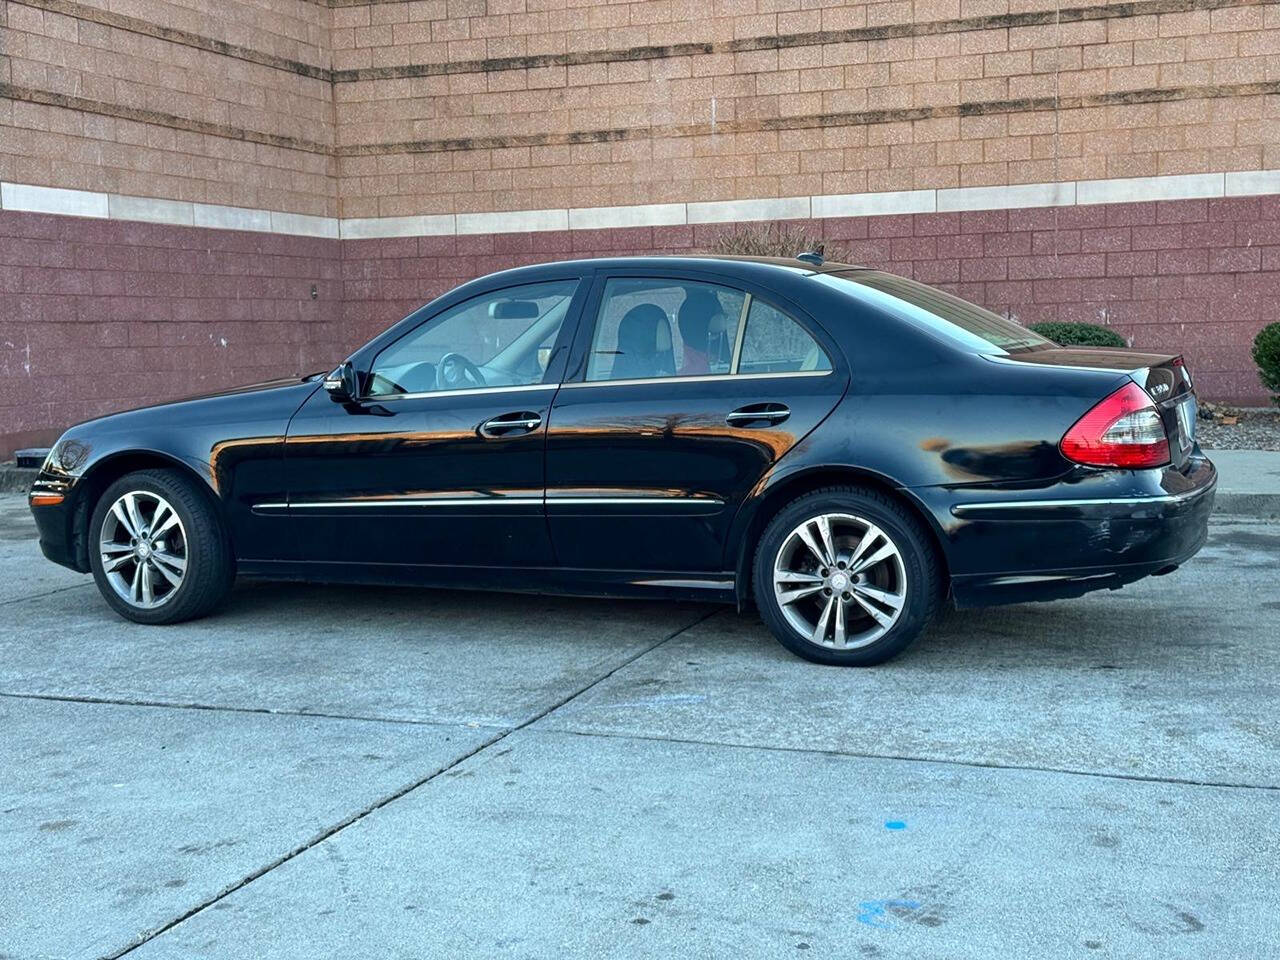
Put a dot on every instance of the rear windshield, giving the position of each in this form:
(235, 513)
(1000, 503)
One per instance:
(958, 319)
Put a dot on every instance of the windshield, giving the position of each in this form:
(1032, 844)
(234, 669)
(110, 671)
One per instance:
(958, 319)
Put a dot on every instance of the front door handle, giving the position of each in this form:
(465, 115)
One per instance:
(525, 421)
(771, 413)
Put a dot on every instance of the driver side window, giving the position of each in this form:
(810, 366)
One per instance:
(498, 339)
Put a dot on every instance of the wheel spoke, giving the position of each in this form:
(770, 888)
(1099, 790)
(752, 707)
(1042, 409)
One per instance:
(839, 636)
(879, 616)
(795, 576)
(110, 546)
(869, 537)
(806, 535)
(112, 565)
(820, 631)
(135, 518)
(118, 509)
(163, 557)
(884, 553)
(791, 596)
(148, 588)
(135, 588)
(823, 524)
(173, 578)
(163, 520)
(891, 600)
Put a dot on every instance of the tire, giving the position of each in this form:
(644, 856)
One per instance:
(904, 588)
(193, 549)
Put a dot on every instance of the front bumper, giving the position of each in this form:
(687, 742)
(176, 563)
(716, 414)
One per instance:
(56, 523)
(1095, 530)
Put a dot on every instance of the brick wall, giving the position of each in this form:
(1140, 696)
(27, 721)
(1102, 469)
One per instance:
(100, 315)
(401, 107)
(213, 101)
(473, 106)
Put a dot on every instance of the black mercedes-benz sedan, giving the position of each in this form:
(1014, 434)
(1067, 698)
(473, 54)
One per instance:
(845, 448)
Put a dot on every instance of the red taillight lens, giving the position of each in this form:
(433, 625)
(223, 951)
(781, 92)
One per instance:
(1124, 430)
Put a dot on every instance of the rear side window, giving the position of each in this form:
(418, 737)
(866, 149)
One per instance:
(654, 328)
(776, 343)
(978, 328)
(662, 328)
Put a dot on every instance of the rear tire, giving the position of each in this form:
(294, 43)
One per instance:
(846, 576)
(158, 550)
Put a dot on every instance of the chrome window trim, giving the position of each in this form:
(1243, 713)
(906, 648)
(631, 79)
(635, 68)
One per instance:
(468, 392)
(700, 378)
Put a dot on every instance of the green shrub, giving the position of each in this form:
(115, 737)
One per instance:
(1266, 354)
(1080, 334)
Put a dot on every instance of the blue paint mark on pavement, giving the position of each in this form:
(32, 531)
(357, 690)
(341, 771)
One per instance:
(895, 825)
(873, 911)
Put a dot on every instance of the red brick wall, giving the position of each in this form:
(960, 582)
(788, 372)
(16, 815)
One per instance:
(100, 315)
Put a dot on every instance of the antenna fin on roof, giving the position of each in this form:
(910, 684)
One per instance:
(813, 256)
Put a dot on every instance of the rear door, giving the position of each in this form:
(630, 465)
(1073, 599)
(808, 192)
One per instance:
(684, 389)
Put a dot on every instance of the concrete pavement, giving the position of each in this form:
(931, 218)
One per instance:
(343, 772)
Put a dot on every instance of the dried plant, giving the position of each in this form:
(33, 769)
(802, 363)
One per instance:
(773, 240)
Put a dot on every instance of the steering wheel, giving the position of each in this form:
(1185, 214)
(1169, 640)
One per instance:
(454, 372)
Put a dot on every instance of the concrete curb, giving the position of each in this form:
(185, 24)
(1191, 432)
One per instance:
(15, 479)
(1265, 506)
(1259, 506)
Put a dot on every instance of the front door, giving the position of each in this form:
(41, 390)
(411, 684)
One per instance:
(440, 463)
(686, 391)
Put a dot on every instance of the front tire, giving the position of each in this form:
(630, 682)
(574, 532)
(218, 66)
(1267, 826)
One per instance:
(158, 550)
(846, 576)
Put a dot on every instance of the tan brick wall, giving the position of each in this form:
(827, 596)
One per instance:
(782, 123)
(436, 106)
(94, 103)
(427, 31)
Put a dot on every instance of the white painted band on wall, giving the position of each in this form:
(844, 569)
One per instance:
(85, 203)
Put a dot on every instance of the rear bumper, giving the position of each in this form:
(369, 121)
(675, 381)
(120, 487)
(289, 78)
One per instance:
(1095, 531)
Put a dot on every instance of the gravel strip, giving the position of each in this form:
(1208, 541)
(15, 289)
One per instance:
(1256, 430)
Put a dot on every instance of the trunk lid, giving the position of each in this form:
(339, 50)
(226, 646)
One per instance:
(1163, 376)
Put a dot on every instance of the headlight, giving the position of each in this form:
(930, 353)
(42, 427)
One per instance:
(66, 456)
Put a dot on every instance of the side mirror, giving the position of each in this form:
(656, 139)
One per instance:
(342, 385)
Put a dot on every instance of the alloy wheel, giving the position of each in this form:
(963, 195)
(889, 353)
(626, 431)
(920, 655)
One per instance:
(143, 548)
(840, 581)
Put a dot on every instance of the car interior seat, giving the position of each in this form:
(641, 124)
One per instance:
(644, 344)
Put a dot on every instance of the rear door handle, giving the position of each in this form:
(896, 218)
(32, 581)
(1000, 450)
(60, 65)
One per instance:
(771, 413)
(525, 421)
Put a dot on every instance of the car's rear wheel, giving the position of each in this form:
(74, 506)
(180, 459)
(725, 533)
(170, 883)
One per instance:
(846, 576)
(157, 548)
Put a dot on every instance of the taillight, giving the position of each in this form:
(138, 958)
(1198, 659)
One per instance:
(1124, 430)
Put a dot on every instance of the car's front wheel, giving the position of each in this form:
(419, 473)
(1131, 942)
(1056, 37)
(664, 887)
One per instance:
(846, 576)
(157, 548)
